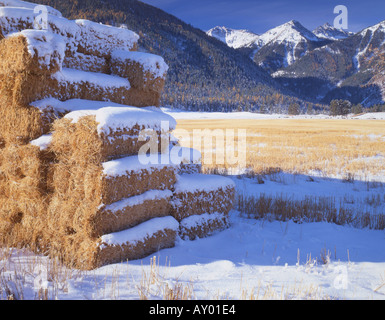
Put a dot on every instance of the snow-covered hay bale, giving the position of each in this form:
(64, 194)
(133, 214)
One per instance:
(21, 124)
(127, 177)
(88, 253)
(84, 62)
(196, 194)
(201, 226)
(108, 133)
(85, 190)
(115, 217)
(76, 84)
(32, 51)
(23, 88)
(101, 40)
(191, 160)
(28, 5)
(144, 70)
(81, 36)
(132, 211)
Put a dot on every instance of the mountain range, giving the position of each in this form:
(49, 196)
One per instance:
(323, 64)
(204, 73)
(225, 69)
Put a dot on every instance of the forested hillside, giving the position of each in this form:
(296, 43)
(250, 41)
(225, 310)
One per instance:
(204, 74)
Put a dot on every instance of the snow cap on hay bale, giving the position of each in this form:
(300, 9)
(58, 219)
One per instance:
(131, 244)
(100, 40)
(196, 194)
(107, 133)
(84, 62)
(201, 226)
(144, 70)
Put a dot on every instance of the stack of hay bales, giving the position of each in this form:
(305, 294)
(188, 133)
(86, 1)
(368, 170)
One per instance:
(92, 57)
(78, 105)
(201, 203)
(103, 191)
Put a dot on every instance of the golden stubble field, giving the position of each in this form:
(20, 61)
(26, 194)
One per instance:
(326, 147)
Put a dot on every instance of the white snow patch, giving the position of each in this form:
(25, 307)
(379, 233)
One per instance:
(28, 5)
(98, 79)
(42, 142)
(150, 62)
(112, 118)
(44, 44)
(137, 200)
(140, 233)
(202, 182)
(124, 166)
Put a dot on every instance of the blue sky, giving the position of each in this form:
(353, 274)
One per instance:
(259, 16)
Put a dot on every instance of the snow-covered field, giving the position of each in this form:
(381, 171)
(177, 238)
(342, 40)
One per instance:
(188, 115)
(252, 259)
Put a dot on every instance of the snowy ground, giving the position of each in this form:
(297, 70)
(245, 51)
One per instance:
(251, 259)
(181, 114)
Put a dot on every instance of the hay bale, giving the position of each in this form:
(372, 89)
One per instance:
(21, 124)
(128, 177)
(30, 57)
(34, 51)
(101, 40)
(80, 35)
(131, 244)
(190, 168)
(80, 61)
(24, 196)
(23, 88)
(95, 136)
(201, 226)
(84, 191)
(82, 216)
(28, 167)
(145, 71)
(130, 212)
(197, 194)
(190, 159)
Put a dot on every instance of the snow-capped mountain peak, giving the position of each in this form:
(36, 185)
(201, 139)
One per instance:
(291, 31)
(327, 31)
(232, 37)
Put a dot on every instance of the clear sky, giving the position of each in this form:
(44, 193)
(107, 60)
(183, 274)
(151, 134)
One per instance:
(259, 16)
